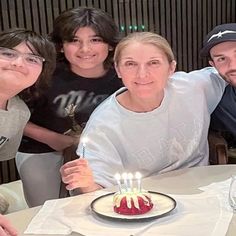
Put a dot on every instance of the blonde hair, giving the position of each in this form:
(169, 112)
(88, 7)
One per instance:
(145, 38)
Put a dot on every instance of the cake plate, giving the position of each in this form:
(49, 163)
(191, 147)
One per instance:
(162, 205)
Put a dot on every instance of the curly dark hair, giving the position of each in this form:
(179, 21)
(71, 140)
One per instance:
(68, 22)
(40, 46)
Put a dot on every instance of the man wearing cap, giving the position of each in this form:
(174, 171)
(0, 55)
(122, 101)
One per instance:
(220, 47)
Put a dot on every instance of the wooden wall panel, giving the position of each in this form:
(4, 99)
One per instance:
(183, 22)
(8, 171)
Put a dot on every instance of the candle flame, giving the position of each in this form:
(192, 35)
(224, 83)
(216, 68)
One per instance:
(117, 176)
(130, 176)
(124, 175)
(138, 175)
(84, 141)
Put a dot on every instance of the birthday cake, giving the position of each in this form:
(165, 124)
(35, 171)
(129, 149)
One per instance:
(132, 202)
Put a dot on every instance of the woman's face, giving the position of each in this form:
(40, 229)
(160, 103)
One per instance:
(87, 52)
(19, 69)
(144, 69)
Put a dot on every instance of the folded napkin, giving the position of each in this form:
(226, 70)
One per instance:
(221, 189)
(198, 214)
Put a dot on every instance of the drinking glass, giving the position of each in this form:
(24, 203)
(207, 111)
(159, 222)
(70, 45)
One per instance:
(232, 193)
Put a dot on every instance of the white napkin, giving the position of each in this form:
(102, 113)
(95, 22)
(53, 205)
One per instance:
(222, 190)
(198, 214)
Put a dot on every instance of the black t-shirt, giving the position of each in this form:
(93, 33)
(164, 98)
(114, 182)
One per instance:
(68, 88)
(223, 118)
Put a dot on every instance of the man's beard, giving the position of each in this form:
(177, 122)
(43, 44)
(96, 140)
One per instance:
(227, 78)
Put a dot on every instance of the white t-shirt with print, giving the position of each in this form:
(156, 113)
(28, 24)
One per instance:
(12, 124)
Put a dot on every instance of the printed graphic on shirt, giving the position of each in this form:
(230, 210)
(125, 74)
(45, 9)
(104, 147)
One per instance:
(3, 140)
(82, 100)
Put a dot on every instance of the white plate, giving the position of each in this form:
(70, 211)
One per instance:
(162, 205)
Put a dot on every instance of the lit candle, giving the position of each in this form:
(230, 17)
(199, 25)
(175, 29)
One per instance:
(84, 141)
(124, 177)
(138, 176)
(130, 181)
(118, 177)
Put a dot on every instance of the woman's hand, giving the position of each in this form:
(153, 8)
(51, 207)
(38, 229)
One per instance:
(6, 229)
(77, 174)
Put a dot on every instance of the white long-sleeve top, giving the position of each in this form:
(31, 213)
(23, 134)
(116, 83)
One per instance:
(173, 136)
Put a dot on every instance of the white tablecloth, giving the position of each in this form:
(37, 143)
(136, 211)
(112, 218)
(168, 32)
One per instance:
(198, 214)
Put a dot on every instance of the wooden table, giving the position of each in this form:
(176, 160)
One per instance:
(185, 181)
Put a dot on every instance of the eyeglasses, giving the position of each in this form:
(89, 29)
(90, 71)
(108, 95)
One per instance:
(11, 55)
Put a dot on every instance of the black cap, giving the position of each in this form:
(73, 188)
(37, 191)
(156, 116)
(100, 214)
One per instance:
(220, 34)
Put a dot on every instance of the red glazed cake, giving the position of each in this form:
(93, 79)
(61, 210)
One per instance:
(132, 203)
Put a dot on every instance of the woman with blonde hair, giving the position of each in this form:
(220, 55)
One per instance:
(157, 123)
